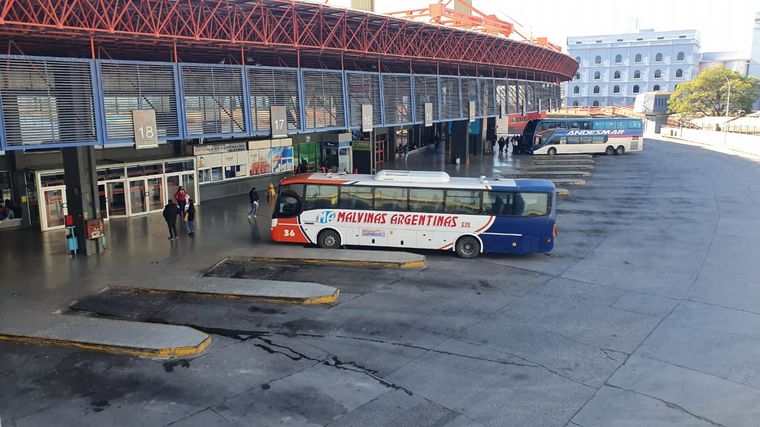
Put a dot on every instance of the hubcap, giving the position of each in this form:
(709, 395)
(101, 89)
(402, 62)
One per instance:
(329, 241)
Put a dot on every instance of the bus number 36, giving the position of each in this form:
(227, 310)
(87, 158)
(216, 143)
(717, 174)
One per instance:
(289, 233)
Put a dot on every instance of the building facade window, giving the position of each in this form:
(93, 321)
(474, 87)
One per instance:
(576, 89)
(577, 76)
(597, 75)
(658, 57)
(617, 75)
(598, 59)
(680, 56)
(657, 74)
(596, 103)
(616, 89)
(637, 58)
(679, 73)
(637, 74)
(656, 88)
(618, 59)
(578, 59)
(635, 88)
(596, 89)
(575, 103)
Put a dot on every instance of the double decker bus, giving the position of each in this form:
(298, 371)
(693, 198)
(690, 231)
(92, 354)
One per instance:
(573, 136)
(417, 209)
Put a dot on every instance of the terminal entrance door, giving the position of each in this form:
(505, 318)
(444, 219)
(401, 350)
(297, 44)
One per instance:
(145, 195)
(185, 180)
(54, 207)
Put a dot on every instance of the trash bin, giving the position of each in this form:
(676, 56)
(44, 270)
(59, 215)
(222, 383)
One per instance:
(71, 239)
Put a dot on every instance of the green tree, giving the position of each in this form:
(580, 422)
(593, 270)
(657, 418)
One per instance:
(707, 93)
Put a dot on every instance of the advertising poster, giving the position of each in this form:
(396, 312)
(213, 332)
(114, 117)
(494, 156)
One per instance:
(260, 161)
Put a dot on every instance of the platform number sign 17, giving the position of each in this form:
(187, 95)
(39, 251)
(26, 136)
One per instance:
(428, 114)
(279, 121)
(146, 133)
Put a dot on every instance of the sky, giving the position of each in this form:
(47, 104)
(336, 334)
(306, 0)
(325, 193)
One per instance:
(723, 25)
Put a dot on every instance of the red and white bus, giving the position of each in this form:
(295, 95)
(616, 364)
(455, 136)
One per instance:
(424, 210)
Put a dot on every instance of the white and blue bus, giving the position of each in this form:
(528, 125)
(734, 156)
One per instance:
(422, 210)
(582, 136)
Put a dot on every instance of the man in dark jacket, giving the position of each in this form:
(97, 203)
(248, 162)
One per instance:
(254, 196)
(170, 215)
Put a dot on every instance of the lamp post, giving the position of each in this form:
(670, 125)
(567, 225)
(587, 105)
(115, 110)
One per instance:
(728, 106)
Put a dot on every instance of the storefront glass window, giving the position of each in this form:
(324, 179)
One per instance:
(186, 165)
(51, 180)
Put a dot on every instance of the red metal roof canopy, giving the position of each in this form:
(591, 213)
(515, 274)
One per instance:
(280, 25)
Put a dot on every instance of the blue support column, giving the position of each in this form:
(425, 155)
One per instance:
(247, 102)
(179, 93)
(346, 105)
(101, 132)
(438, 96)
(301, 102)
(382, 98)
(414, 98)
(461, 101)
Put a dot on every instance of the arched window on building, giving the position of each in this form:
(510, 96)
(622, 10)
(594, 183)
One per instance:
(575, 103)
(656, 88)
(658, 57)
(598, 59)
(637, 74)
(616, 89)
(679, 73)
(596, 89)
(577, 76)
(635, 88)
(680, 56)
(578, 59)
(597, 75)
(617, 75)
(657, 74)
(595, 104)
(637, 58)
(618, 59)
(576, 89)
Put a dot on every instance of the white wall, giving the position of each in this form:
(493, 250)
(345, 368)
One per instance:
(735, 141)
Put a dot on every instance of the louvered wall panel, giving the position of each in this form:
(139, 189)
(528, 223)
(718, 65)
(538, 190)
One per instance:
(128, 87)
(323, 99)
(470, 93)
(364, 88)
(213, 100)
(47, 102)
(515, 97)
(530, 97)
(425, 90)
(449, 98)
(502, 97)
(487, 103)
(397, 93)
(273, 87)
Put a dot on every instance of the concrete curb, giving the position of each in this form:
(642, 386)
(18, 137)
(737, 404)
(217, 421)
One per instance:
(558, 168)
(563, 192)
(342, 257)
(107, 336)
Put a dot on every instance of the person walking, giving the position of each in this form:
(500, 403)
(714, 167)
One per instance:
(170, 216)
(406, 151)
(190, 217)
(254, 197)
(502, 142)
(181, 197)
(271, 193)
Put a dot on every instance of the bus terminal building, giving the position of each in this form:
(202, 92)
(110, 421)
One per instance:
(108, 107)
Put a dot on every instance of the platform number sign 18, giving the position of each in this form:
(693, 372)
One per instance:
(428, 114)
(279, 121)
(367, 118)
(146, 133)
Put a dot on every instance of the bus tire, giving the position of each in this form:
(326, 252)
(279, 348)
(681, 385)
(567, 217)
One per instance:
(467, 247)
(552, 151)
(610, 151)
(620, 150)
(328, 239)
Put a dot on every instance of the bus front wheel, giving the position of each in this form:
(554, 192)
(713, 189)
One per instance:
(329, 239)
(552, 151)
(620, 150)
(467, 247)
(610, 151)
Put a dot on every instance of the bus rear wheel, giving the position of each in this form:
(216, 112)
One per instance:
(329, 239)
(467, 247)
(610, 151)
(620, 150)
(552, 151)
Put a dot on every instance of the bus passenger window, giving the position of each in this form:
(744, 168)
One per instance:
(585, 125)
(321, 197)
(355, 197)
(497, 203)
(531, 204)
(425, 200)
(391, 199)
(464, 202)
